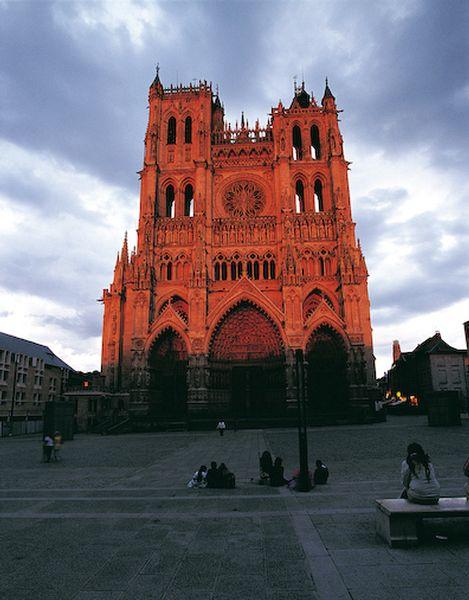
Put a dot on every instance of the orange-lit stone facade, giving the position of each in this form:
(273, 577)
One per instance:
(246, 252)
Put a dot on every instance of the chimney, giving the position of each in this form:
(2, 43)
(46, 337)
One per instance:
(396, 351)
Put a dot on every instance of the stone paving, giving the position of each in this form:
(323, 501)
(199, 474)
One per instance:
(115, 521)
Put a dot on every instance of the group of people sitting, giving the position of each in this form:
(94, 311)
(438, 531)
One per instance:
(215, 477)
(272, 473)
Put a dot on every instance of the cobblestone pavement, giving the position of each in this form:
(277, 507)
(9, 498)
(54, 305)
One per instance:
(115, 521)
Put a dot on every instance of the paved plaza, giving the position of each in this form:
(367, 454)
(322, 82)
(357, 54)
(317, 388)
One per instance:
(115, 521)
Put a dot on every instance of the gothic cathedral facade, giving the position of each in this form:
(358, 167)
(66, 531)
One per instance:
(246, 252)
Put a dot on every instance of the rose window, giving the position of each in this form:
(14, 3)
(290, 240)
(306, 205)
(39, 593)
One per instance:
(244, 199)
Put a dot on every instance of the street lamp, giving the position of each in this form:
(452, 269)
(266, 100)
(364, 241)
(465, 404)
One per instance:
(304, 481)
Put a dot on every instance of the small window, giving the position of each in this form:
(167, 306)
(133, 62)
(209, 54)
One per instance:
(272, 269)
(189, 200)
(171, 131)
(315, 143)
(170, 204)
(224, 271)
(188, 130)
(169, 271)
(318, 197)
(256, 269)
(265, 269)
(217, 271)
(299, 197)
(297, 145)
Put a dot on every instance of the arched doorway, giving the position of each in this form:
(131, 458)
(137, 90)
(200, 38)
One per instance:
(168, 375)
(327, 386)
(247, 366)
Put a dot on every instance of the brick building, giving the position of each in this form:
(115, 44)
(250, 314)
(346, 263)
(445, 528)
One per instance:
(433, 366)
(246, 252)
(30, 375)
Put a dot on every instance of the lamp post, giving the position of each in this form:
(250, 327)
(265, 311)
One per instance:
(304, 481)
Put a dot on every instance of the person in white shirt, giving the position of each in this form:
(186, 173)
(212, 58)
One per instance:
(418, 477)
(221, 427)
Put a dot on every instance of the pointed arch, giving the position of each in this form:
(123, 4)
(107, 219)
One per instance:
(245, 332)
(167, 360)
(245, 295)
(327, 383)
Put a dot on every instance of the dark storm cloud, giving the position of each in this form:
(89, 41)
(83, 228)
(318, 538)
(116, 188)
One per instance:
(85, 324)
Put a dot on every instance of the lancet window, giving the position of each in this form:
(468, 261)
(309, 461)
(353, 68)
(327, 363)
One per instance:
(299, 197)
(188, 130)
(170, 202)
(315, 143)
(318, 196)
(171, 138)
(297, 145)
(188, 200)
(253, 267)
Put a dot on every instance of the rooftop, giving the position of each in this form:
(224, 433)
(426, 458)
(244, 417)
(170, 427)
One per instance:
(33, 349)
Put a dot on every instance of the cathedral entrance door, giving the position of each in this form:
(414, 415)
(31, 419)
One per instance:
(168, 368)
(247, 391)
(247, 348)
(327, 374)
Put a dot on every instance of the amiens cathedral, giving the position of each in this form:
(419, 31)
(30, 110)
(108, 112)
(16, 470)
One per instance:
(246, 252)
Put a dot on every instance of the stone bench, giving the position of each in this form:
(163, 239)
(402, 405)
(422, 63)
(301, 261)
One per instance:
(397, 520)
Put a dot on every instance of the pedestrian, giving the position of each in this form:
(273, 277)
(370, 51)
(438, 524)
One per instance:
(57, 445)
(321, 473)
(221, 427)
(418, 477)
(48, 445)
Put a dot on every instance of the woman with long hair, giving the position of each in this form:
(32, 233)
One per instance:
(265, 467)
(418, 477)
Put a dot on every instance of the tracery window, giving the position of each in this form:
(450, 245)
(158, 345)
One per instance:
(171, 138)
(244, 199)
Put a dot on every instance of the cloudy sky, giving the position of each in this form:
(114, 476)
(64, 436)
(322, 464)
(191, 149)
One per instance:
(74, 79)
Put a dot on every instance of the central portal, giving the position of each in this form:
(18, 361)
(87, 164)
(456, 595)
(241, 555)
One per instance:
(247, 366)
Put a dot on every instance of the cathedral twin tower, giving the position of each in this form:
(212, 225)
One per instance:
(246, 252)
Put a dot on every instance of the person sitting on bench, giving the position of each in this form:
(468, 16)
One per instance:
(418, 477)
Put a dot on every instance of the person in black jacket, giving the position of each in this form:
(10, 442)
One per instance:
(321, 473)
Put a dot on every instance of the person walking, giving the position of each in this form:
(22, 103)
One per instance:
(48, 445)
(57, 445)
(221, 427)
